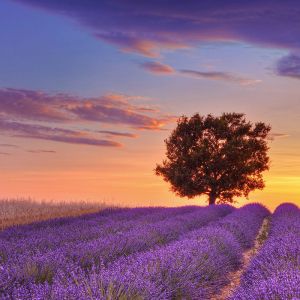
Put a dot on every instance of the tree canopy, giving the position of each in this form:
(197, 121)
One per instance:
(218, 156)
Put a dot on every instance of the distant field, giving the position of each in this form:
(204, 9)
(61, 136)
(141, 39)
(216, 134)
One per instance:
(217, 252)
(24, 211)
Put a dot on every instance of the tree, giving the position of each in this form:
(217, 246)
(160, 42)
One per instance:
(221, 157)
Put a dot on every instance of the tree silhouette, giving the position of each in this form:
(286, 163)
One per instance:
(221, 157)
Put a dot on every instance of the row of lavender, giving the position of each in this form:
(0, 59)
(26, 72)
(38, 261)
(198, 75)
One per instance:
(43, 237)
(193, 267)
(35, 253)
(275, 272)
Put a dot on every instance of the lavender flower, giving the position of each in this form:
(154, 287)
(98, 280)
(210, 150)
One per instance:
(275, 272)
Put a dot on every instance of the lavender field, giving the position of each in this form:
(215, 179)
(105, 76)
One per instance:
(155, 253)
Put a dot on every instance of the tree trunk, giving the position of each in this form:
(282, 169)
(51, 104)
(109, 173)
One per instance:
(212, 198)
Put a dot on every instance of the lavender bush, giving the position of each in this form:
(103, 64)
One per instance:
(275, 272)
(35, 253)
(193, 267)
(44, 236)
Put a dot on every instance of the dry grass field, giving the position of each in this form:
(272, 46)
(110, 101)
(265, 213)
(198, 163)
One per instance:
(24, 211)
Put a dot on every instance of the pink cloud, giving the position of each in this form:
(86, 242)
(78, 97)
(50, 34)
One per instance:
(217, 75)
(18, 129)
(158, 68)
(32, 114)
(34, 105)
(110, 108)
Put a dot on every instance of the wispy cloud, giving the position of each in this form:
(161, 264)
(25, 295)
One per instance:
(157, 68)
(9, 145)
(118, 134)
(4, 153)
(223, 76)
(289, 66)
(115, 114)
(55, 134)
(140, 45)
(39, 151)
(277, 135)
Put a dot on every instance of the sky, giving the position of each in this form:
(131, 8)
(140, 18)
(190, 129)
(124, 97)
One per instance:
(89, 90)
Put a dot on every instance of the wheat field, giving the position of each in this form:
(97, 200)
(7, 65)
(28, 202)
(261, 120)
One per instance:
(24, 211)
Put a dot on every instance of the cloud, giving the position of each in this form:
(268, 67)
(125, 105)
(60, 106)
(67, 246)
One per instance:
(110, 108)
(215, 75)
(119, 134)
(45, 116)
(115, 115)
(275, 135)
(41, 151)
(146, 47)
(289, 66)
(4, 153)
(9, 145)
(131, 44)
(157, 68)
(18, 129)
(146, 27)
(33, 105)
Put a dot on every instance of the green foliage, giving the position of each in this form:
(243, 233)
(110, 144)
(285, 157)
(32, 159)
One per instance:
(221, 157)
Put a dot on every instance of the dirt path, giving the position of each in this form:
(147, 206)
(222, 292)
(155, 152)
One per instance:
(235, 276)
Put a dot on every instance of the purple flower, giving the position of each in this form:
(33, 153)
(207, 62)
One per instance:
(275, 271)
